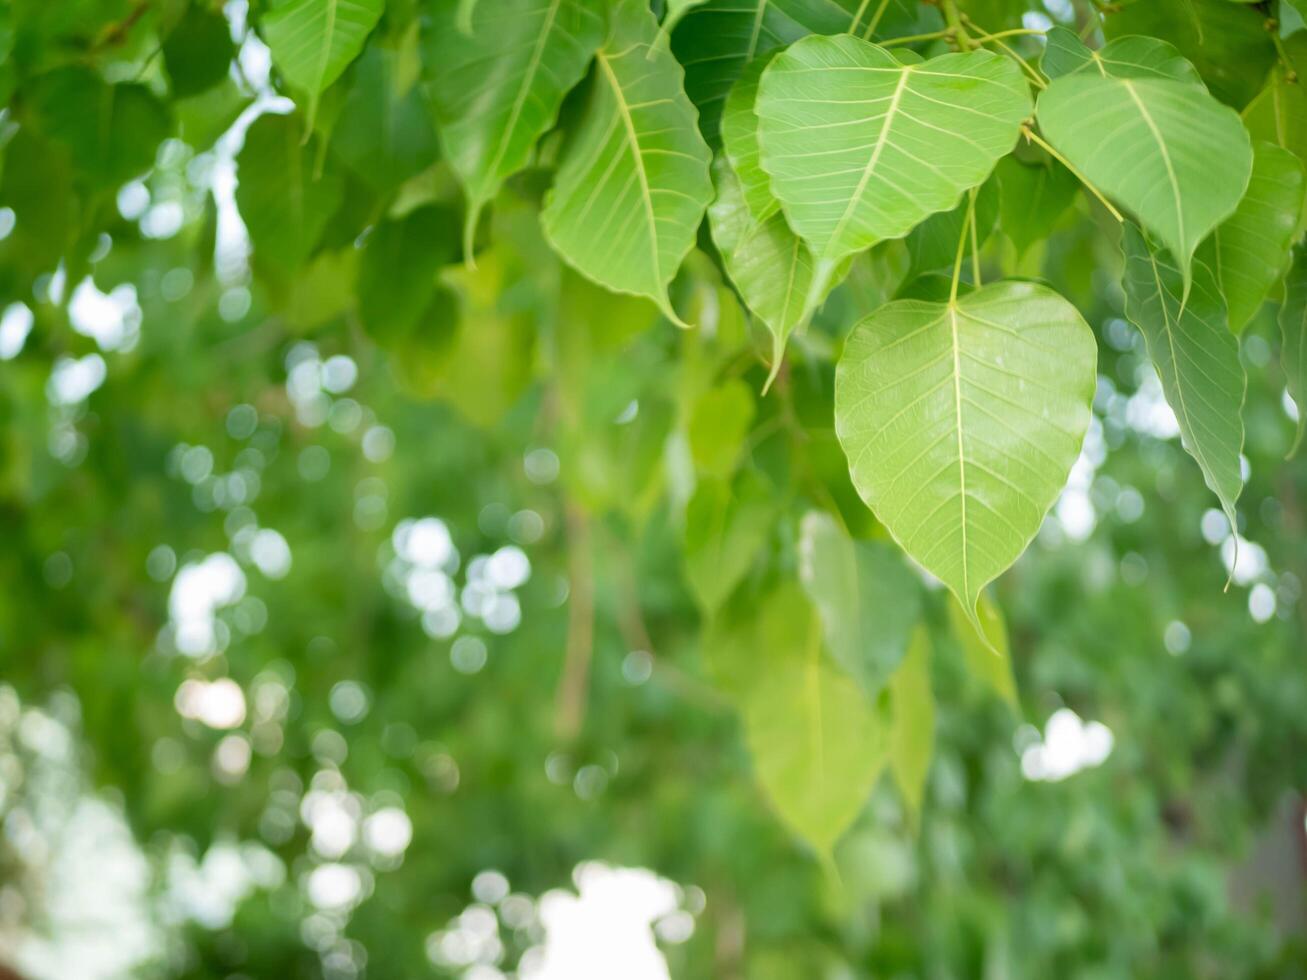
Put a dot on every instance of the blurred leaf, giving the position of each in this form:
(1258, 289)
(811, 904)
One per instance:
(726, 525)
(313, 41)
(718, 425)
(197, 52)
(990, 658)
(912, 731)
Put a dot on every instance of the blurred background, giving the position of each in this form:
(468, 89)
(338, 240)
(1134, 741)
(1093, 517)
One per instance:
(292, 677)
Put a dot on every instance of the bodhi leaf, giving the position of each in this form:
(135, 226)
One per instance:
(740, 140)
(1251, 248)
(397, 270)
(499, 86)
(961, 420)
(1126, 57)
(912, 722)
(633, 180)
(1031, 199)
(725, 527)
(197, 52)
(1197, 360)
(861, 147)
(1293, 353)
(818, 744)
(769, 264)
(867, 598)
(313, 41)
(933, 244)
(1279, 112)
(718, 425)
(1166, 150)
(987, 652)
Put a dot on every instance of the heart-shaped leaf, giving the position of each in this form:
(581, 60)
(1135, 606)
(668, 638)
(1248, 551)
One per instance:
(1125, 57)
(313, 41)
(1165, 149)
(498, 87)
(1252, 246)
(861, 147)
(1196, 356)
(633, 181)
(961, 421)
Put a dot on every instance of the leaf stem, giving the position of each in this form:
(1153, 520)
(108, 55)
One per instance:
(1035, 138)
(985, 37)
(962, 251)
(954, 21)
(914, 38)
(875, 20)
(975, 238)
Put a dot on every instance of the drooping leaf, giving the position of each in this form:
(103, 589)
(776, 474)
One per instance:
(1196, 356)
(284, 204)
(111, 131)
(718, 425)
(989, 658)
(818, 744)
(633, 180)
(498, 86)
(313, 41)
(1252, 246)
(868, 599)
(740, 139)
(1293, 352)
(397, 270)
(769, 264)
(912, 713)
(385, 132)
(961, 420)
(726, 525)
(1166, 150)
(198, 51)
(1227, 42)
(1278, 114)
(1125, 57)
(861, 147)
(1032, 197)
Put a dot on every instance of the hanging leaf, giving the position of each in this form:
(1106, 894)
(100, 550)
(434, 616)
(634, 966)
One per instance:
(1279, 112)
(769, 264)
(284, 205)
(740, 140)
(912, 725)
(1197, 360)
(1125, 57)
(861, 147)
(961, 420)
(868, 599)
(726, 525)
(1032, 197)
(1293, 352)
(719, 423)
(499, 85)
(313, 41)
(633, 180)
(818, 745)
(1251, 248)
(1166, 150)
(988, 656)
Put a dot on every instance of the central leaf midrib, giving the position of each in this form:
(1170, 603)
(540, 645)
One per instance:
(1166, 161)
(962, 460)
(628, 123)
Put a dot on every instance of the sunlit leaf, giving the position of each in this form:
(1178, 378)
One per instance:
(633, 181)
(498, 86)
(961, 420)
(1196, 356)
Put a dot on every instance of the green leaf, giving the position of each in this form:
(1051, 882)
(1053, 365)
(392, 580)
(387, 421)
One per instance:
(988, 657)
(719, 423)
(769, 264)
(726, 525)
(1166, 150)
(868, 599)
(933, 244)
(498, 86)
(1125, 57)
(385, 132)
(633, 180)
(111, 131)
(1227, 42)
(197, 52)
(1251, 248)
(1279, 112)
(818, 745)
(284, 205)
(1032, 197)
(397, 270)
(861, 147)
(1197, 359)
(961, 421)
(740, 140)
(1293, 353)
(912, 725)
(313, 41)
